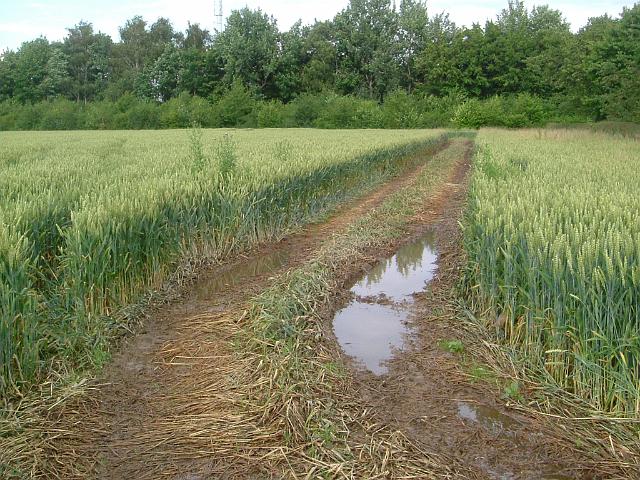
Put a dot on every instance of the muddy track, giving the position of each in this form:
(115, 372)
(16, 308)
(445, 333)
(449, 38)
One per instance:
(428, 393)
(147, 414)
(159, 407)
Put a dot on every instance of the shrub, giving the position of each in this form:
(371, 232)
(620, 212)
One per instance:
(305, 109)
(27, 118)
(476, 113)
(436, 112)
(234, 107)
(524, 110)
(8, 115)
(100, 115)
(175, 113)
(271, 114)
(142, 115)
(202, 112)
(400, 110)
(349, 112)
(60, 114)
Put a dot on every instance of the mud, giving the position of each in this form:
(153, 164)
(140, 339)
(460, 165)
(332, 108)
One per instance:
(255, 266)
(490, 418)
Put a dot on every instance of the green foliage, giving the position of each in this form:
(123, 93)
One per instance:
(436, 112)
(90, 223)
(160, 80)
(30, 71)
(552, 241)
(177, 112)
(249, 48)
(522, 110)
(522, 69)
(306, 109)
(271, 114)
(400, 110)
(9, 115)
(349, 112)
(512, 391)
(88, 61)
(452, 346)
(234, 107)
(365, 34)
(528, 59)
(226, 153)
(61, 114)
(475, 113)
(100, 116)
(142, 115)
(238, 108)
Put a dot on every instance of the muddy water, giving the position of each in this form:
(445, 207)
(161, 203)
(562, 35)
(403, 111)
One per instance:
(499, 424)
(374, 324)
(490, 418)
(239, 274)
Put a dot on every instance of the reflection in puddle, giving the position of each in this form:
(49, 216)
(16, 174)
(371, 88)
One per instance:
(488, 417)
(407, 272)
(369, 332)
(500, 424)
(238, 274)
(373, 325)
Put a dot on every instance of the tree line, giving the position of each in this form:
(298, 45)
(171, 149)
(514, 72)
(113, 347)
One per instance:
(372, 65)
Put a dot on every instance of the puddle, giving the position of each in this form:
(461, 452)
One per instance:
(500, 424)
(374, 325)
(370, 332)
(489, 418)
(402, 275)
(258, 265)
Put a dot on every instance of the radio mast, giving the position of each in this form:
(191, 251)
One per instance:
(218, 16)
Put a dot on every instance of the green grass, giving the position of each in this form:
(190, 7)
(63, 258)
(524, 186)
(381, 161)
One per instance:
(552, 235)
(92, 220)
(452, 346)
(481, 373)
(512, 392)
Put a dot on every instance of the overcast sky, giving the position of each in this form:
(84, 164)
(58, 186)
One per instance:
(22, 20)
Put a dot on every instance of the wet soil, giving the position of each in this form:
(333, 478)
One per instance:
(425, 391)
(148, 414)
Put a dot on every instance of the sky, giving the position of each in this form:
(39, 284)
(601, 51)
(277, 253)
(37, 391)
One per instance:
(22, 20)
